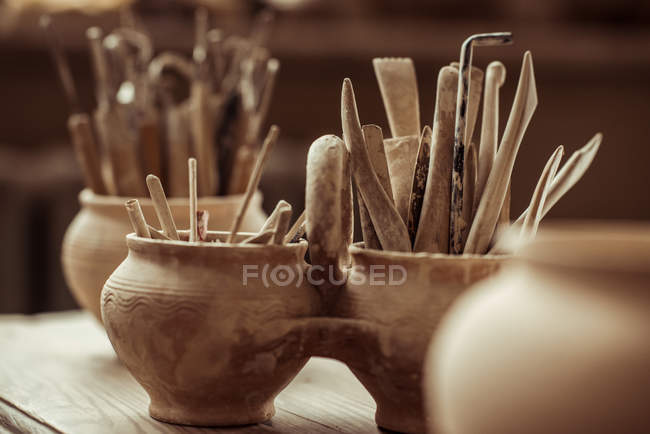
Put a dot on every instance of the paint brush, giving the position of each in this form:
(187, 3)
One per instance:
(464, 80)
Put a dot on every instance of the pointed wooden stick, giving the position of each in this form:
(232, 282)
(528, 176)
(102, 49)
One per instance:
(531, 221)
(192, 177)
(161, 206)
(419, 183)
(136, 217)
(399, 91)
(254, 179)
(390, 227)
(494, 79)
(569, 175)
(298, 228)
(373, 137)
(460, 131)
(494, 194)
(433, 234)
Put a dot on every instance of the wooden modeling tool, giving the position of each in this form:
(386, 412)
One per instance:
(297, 229)
(193, 187)
(419, 182)
(469, 185)
(161, 206)
(464, 80)
(272, 221)
(387, 222)
(495, 76)
(261, 238)
(282, 225)
(491, 202)
(433, 234)
(157, 235)
(474, 99)
(136, 217)
(399, 91)
(254, 180)
(401, 156)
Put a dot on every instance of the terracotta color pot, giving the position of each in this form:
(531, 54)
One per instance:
(396, 321)
(559, 342)
(94, 242)
(208, 348)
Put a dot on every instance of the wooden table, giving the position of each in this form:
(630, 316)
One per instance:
(58, 373)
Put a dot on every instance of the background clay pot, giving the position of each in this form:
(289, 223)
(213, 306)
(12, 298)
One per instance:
(94, 244)
(208, 347)
(559, 342)
(395, 323)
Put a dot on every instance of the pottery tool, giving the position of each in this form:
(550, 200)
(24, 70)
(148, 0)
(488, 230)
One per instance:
(495, 76)
(474, 99)
(464, 80)
(532, 219)
(374, 139)
(191, 169)
(254, 179)
(569, 175)
(214, 40)
(469, 185)
(202, 217)
(494, 194)
(504, 215)
(261, 238)
(433, 234)
(103, 80)
(323, 208)
(387, 222)
(282, 225)
(399, 91)
(347, 209)
(419, 182)
(161, 206)
(136, 217)
(297, 229)
(86, 151)
(401, 156)
(157, 235)
(272, 221)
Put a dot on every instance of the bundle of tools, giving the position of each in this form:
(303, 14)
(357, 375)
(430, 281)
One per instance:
(275, 230)
(436, 190)
(146, 121)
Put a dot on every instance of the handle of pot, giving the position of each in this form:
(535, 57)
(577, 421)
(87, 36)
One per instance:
(328, 204)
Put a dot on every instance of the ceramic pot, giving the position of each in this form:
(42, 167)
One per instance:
(94, 245)
(559, 342)
(209, 346)
(397, 301)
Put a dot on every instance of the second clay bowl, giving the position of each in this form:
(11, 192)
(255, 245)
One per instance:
(205, 329)
(94, 244)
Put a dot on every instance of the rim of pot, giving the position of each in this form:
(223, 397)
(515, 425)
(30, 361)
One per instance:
(615, 246)
(88, 197)
(359, 248)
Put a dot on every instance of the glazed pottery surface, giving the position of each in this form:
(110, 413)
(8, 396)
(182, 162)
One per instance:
(397, 300)
(94, 244)
(208, 346)
(559, 342)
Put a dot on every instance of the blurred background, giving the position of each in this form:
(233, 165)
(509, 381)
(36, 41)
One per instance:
(592, 65)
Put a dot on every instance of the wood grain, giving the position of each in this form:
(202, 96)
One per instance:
(58, 373)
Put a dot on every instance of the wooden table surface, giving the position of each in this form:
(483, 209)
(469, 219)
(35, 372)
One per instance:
(58, 373)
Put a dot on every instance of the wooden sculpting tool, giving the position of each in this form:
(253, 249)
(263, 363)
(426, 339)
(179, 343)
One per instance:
(191, 166)
(474, 99)
(254, 180)
(433, 235)
(387, 222)
(401, 156)
(78, 123)
(494, 79)
(569, 175)
(282, 225)
(272, 221)
(136, 217)
(494, 194)
(419, 182)
(504, 215)
(532, 219)
(347, 209)
(161, 206)
(374, 139)
(464, 80)
(297, 229)
(469, 185)
(157, 235)
(399, 91)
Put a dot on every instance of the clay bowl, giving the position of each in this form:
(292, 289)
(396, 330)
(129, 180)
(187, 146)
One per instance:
(396, 320)
(559, 342)
(94, 245)
(210, 347)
